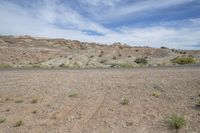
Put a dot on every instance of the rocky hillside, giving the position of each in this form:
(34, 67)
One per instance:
(26, 51)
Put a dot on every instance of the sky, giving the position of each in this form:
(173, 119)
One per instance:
(153, 23)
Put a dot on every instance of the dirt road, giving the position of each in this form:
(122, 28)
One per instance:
(91, 100)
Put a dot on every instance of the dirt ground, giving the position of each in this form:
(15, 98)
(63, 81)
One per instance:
(90, 100)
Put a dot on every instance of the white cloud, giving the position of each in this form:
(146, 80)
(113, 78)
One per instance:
(135, 8)
(19, 21)
(99, 3)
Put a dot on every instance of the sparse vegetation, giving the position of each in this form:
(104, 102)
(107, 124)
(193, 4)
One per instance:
(91, 56)
(114, 58)
(36, 65)
(156, 94)
(34, 100)
(198, 103)
(7, 110)
(34, 112)
(64, 65)
(2, 120)
(73, 95)
(39, 66)
(18, 123)
(103, 61)
(19, 101)
(198, 94)
(125, 65)
(7, 99)
(5, 66)
(77, 65)
(124, 101)
(182, 52)
(163, 47)
(141, 61)
(177, 122)
(183, 60)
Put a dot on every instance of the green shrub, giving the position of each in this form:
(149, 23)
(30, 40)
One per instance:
(177, 121)
(183, 60)
(141, 61)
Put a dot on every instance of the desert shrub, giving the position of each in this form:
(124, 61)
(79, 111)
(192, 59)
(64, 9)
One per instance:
(124, 101)
(183, 60)
(103, 61)
(163, 47)
(18, 123)
(91, 56)
(198, 103)
(125, 65)
(34, 100)
(177, 121)
(77, 65)
(19, 101)
(36, 65)
(7, 99)
(182, 52)
(114, 58)
(156, 94)
(64, 65)
(141, 61)
(2, 120)
(34, 112)
(100, 55)
(5, 66)
(39, 66)
(73, 95)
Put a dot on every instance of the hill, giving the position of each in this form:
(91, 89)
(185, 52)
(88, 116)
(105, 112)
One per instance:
(27, 51)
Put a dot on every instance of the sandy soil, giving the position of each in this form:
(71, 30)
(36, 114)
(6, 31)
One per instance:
(89, 100)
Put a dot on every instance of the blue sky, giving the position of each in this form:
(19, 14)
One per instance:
(172, 23)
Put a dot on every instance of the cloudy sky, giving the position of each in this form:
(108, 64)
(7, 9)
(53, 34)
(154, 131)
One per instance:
(172, 23)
